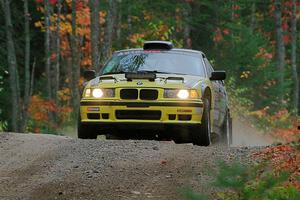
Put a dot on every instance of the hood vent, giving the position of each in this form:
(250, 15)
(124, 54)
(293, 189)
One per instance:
(149, 76)
(107, 78)
(175, 79)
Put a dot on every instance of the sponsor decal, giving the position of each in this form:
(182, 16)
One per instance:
(93, 109)
(184, 110)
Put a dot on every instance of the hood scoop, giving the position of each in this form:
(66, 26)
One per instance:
(149, 76)
(174, 79)
(107, 78)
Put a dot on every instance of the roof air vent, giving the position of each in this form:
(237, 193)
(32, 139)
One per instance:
(158, 45)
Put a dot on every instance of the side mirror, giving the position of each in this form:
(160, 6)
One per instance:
(89, 74)
(218, 76)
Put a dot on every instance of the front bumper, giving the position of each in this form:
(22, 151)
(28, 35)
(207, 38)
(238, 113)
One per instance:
(115, 114)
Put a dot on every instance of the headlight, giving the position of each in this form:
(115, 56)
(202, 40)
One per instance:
(99, 93)
(170, 93)
(181, 94)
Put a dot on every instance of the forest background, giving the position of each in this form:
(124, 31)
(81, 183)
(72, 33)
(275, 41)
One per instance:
(47, 44)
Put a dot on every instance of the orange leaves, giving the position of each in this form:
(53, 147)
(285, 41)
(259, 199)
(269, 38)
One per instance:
(285, 26)
(66, 109)
(148, 15)
(40, 116)
(281, 114)
(269, 83)
(259, 113)
(64, 94)
(82, 28)
(264, 54)
(158, 30)
(102, 16)
(284, 125)
(283, 158)
(79, 5)
(285, 134)
(38, 24)
(40, 110)
(226, 31)
(236, 7)
(53, 57)
(51, 2)
(286, 39)
(289, 134)
(136, 37)
(86, 61)
(83, 17)
(218, 35)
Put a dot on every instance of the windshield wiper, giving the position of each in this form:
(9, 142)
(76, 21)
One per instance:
(118, 72)
(159, 72)
(143, 71)
(153, 71)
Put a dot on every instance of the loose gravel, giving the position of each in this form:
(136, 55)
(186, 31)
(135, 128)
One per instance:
(56, 167)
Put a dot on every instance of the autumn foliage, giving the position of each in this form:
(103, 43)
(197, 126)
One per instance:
(40, 111)
(283, 158)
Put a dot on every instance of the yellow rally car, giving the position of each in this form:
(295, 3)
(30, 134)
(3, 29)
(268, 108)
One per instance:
(158, 91)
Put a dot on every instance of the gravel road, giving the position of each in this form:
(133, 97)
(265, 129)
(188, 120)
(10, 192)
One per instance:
(39, 166)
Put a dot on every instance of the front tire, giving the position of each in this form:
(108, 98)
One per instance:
(201, 134)
(85, 131)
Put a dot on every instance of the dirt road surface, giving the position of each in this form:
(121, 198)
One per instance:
(43, 166)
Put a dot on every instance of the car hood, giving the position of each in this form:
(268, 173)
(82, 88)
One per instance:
(161, 81)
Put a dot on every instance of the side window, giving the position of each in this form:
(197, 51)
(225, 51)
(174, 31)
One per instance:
(209, 68)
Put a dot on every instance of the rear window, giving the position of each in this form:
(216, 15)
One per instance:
(159, 61)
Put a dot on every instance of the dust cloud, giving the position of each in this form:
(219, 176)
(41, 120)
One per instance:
(245, 134)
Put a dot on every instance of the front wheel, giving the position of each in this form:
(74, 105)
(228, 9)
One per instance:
(201, 134)
(85, 131)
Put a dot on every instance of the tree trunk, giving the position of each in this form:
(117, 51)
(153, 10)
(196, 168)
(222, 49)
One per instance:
(57, 67)
(75, 66)
(294, 57)
(95, 33)
(32, 77)
(47, 48)
(110, 22)
(119, 25)
(187, 28)
(253, 17)
(27, 65)
(13, 68)
(280, 47)
(129, 19)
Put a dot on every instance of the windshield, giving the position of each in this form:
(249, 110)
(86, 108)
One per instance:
(155, 61)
